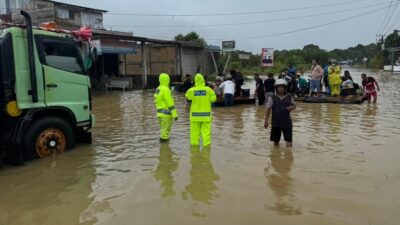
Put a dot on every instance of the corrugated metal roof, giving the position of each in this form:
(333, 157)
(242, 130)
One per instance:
(129, 37)
(78, 6)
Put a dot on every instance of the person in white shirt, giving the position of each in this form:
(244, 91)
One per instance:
(229, 90)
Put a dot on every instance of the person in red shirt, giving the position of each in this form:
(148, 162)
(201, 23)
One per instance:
(370, 87)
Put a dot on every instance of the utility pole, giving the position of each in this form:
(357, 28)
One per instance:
(8, 10)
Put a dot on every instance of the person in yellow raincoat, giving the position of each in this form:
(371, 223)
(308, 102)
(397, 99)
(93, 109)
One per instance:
(200, 111)
(165, 107)
(334, 72)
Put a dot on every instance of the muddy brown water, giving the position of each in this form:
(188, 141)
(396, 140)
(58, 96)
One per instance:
(344, 168)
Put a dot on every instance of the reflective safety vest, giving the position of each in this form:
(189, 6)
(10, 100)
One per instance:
(163, 98)
(202, 97)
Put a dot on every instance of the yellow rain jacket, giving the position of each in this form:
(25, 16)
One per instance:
(163, 98)
(334, 73)
(202, 97)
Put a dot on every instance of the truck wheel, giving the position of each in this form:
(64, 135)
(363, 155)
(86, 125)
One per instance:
(47, 136)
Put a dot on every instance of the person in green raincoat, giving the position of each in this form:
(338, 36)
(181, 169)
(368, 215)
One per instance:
(201, 97)
(164, 102)
(334, 72)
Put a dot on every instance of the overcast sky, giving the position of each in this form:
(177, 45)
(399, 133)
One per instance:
(344, 32)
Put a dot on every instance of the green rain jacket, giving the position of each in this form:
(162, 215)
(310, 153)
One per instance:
(201, 96)
(163, 98)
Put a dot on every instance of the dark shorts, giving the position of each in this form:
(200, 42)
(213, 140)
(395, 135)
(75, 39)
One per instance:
(277, 131)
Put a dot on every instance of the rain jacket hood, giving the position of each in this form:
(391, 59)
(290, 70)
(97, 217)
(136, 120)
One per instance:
(199, 80)
(163, 98)
(164, 79)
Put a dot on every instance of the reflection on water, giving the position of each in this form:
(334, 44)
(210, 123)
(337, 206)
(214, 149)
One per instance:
(56, 191)
(202, 176)
(280, 181)
(343, 168)
(166, 166)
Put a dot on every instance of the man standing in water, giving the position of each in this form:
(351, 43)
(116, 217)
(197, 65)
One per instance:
(259, 92)
(200, 111)
(281, 105)
(165, 107)
(229, 90)
(369, 84)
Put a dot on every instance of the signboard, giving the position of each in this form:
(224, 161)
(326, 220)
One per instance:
(244, 56)
(267, 57)
(228, 46)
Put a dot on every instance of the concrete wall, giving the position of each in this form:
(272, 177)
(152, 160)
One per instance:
(40, 11)
(193, 57)
(66, 17)
(73, 18)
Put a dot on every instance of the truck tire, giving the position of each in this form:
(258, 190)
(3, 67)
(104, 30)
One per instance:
(47, 136)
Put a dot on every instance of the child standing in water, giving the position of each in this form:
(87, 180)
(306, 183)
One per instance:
(280, 105)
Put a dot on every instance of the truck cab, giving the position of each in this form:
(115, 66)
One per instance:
(45, 93)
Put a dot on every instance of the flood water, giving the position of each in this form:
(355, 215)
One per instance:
(344, 168)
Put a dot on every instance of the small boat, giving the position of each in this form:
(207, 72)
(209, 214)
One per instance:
(237, 101)
(356, 99)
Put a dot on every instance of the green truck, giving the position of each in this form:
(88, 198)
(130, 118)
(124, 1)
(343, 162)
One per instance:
(45, 93)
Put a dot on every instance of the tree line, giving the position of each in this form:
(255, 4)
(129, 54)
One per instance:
(372, 55)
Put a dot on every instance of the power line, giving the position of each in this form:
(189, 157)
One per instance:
(244, 23)
(390, 16)
(308, 28)
(395, 20)
(234, 14)
(384, 19)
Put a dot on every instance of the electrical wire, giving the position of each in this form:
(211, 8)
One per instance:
(390, 17)
(237, 13)
(305, 28)
(384, 19)
(395, 20)
(244, 23)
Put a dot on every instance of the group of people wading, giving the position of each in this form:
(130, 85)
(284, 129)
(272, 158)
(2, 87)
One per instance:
(201, 98)
(278, 95)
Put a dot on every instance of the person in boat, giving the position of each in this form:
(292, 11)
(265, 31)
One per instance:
(269, 85)
(302, 84)
(316, 75)
(335, 80)
(370, 87)
(326, 78)
(238, 78)
(228, 88)
(291, 72)
(280, 105)
(347, 86)
(347, 76)
(166, 111)
(188, 83)
(259, 92)
(217, 90)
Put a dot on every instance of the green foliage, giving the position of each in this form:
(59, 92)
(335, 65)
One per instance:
(191, 37)
(301, 58)
(392, 40)
(377, 62)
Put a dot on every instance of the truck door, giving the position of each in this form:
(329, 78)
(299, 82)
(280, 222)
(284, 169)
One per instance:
(65, 81)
